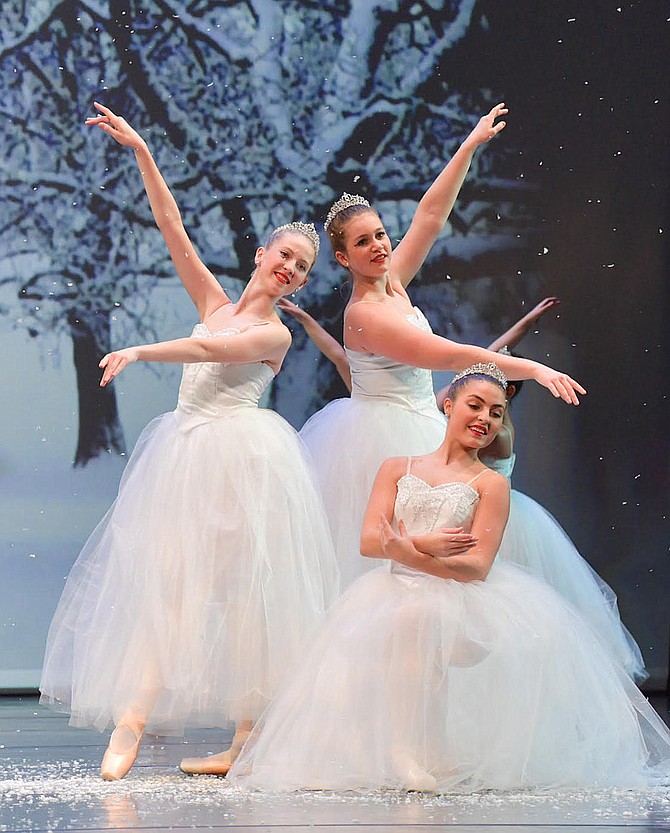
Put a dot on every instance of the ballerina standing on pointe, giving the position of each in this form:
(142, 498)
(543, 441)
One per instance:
(458, 673)
(391, 351)
(196, 592)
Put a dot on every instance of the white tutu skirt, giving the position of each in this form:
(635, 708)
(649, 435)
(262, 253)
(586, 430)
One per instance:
(415, 682)
(198, 589)
(534, 540)
(348, 441)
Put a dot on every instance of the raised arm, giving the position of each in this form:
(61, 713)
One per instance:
(204, 289)
(330, 347)
(378, 329)
(517, 331)
(268, 343)
(436, 204)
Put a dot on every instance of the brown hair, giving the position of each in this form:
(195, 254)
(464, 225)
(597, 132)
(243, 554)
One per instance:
(340, 221)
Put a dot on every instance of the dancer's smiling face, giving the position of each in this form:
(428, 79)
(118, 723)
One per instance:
(284, 265)
(365, 248)
(475, 409)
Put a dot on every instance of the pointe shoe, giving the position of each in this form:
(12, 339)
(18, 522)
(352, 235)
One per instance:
(413, 777)
(219, 764)
(209, 765)
(121, 754)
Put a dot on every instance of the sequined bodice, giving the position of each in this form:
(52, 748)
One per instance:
(424, 508)
(379, 378)
(210, 390)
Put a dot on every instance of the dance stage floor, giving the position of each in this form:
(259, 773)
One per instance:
(49, 781)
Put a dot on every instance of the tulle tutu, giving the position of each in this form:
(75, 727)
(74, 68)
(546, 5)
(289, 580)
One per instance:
(349, 440)
(416, 682)
(534, 540)
(198, 589)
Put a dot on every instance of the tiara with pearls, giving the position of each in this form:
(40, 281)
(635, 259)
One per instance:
(306, 229)
(489, 369)
(344, 202)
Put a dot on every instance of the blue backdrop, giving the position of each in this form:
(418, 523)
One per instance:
(261, 112)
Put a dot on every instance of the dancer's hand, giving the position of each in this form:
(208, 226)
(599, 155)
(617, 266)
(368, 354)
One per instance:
(114, 363)
(543, 307)
(561, 385)
(116, 126)
(486, 127)
(443, 543)
(294, 311)
(395, 545)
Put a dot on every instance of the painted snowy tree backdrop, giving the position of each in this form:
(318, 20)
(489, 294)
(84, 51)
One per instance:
(257, 112)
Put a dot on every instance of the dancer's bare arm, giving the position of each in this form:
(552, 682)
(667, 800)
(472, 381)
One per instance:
(510, 338)
(377, 328)
(204, 289)
(268, 344)
(436, 204)
(329, 346)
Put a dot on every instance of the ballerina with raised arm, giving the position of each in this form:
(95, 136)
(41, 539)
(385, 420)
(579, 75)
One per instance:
(197, 590)
(391, 351)
(454, 673)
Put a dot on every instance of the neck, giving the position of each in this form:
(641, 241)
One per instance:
(380, 286)
(451, 452)
(256, 300)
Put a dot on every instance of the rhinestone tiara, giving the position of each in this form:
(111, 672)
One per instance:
(344, 202)
(489, 369)
(306, 229)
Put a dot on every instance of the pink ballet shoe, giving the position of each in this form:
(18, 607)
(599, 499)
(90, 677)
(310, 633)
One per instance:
(121, 754)
(412, 776)
(219, 764)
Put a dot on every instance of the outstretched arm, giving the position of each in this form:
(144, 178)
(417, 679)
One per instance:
(435, 206)
(375, 328)
(517, 331)
(330, 347)
(204, 289)
(268, 343)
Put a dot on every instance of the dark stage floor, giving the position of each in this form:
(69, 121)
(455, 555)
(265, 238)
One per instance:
(49, 782)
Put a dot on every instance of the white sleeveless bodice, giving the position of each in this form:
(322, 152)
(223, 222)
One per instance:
(424, 508)
(210, 390)
(378, 378)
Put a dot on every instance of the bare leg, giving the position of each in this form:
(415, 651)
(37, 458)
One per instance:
(220, 763)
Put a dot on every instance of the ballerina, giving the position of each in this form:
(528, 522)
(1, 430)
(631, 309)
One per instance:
(197, 590)
(457, 673)
(533, 539)
(391, 351)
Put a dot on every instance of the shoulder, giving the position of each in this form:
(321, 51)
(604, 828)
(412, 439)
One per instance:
(393, 468)
(492, 483)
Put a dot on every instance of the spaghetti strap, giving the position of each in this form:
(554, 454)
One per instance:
(409, 465)
(472, 479)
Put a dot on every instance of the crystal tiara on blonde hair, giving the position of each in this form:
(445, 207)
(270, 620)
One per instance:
(489, 369)
(344, 202)
(308, 230)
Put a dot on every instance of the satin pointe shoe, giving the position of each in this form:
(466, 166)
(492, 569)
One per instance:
(121, 754)
(413, 777)
(219, 764)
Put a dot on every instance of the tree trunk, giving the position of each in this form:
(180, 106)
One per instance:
(99, 426)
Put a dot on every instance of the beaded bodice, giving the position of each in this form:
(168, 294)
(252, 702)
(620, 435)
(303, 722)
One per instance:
(424, 508)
